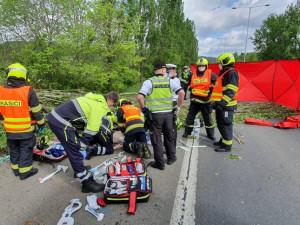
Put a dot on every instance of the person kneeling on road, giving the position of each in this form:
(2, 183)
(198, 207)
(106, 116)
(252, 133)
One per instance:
(131, 123)
(65, 121)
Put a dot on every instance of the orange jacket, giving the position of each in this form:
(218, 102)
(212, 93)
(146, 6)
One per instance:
(200, 85)
(15, 109)
(217, 93)
(131, 113)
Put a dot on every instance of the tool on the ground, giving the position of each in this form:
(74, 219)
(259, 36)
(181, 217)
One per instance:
(238, 139)
(121, 154)
(59, 168)
(183, 148)
(99, 171)
(99, 216)
(66, 218)
(193, 146)
(92, 202)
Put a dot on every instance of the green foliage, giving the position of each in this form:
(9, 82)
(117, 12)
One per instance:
(261, 110)
(279, 35)
(3, 145)
(94, 45)
(250, 57)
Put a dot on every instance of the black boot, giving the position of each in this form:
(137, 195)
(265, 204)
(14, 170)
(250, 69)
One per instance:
(171, 161)
(185, 135)
(89, 185)
(88, 167)
(32, 172)
(156, 166)
(16, 172)
(89, 152)
(139, 149)
(218, 143)
(223, 148)
(147, 152)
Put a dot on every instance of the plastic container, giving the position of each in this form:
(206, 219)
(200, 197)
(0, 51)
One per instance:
(148, 139)
(197, 123)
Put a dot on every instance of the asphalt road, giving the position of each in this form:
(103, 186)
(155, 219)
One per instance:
(261, 188)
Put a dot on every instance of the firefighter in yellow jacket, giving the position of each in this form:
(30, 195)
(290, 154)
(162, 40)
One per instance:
(21, 110)
(81, 115)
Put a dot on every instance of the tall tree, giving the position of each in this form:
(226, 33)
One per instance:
(96, 44)
(279, 36)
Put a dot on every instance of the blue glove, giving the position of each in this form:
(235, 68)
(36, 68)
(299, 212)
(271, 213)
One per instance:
(145, 110)
(41, 129)
(83, 152)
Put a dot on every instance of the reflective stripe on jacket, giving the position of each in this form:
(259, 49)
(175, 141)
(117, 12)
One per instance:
(217, 94)
(14, 107)
(184, 77)
(132, 116)
(200, 85)
(161, 97)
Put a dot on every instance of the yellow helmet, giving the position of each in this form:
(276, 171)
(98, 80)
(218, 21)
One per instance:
(16, 70)
(122, 102)
(202, 62)
(226, 59)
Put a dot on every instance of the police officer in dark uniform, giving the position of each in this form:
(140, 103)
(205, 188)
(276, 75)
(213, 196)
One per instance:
(225, 97)
(201, 85)
(158, 93)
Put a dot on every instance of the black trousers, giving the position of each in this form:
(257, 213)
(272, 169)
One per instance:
(102, 144)
(184, 87)
(130, 141)
(21, 153)
(68, 139)
(206, 111)
(224, 120)
(162, 124)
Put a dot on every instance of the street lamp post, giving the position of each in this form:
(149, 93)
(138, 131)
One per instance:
(248, 24)
(224, 42)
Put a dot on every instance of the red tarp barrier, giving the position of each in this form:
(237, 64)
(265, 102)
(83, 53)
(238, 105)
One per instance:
(275, 81)
(289, 122)
(251, 121)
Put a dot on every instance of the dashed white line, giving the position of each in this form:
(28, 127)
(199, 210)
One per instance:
(185, 200)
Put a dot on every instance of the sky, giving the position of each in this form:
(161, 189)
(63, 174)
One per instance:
(219, 28)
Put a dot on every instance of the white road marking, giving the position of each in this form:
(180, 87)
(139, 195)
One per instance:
(185, 200)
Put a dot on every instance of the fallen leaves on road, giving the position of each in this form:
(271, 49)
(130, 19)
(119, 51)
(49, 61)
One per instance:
(235, 157)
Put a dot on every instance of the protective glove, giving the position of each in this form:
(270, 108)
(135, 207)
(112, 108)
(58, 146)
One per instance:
(219, 107)
(145, 111)
(41, 128)
(83, 152)
(176, 110)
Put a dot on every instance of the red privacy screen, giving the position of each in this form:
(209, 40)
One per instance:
(268, 81)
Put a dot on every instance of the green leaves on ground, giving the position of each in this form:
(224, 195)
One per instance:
(234, 157)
